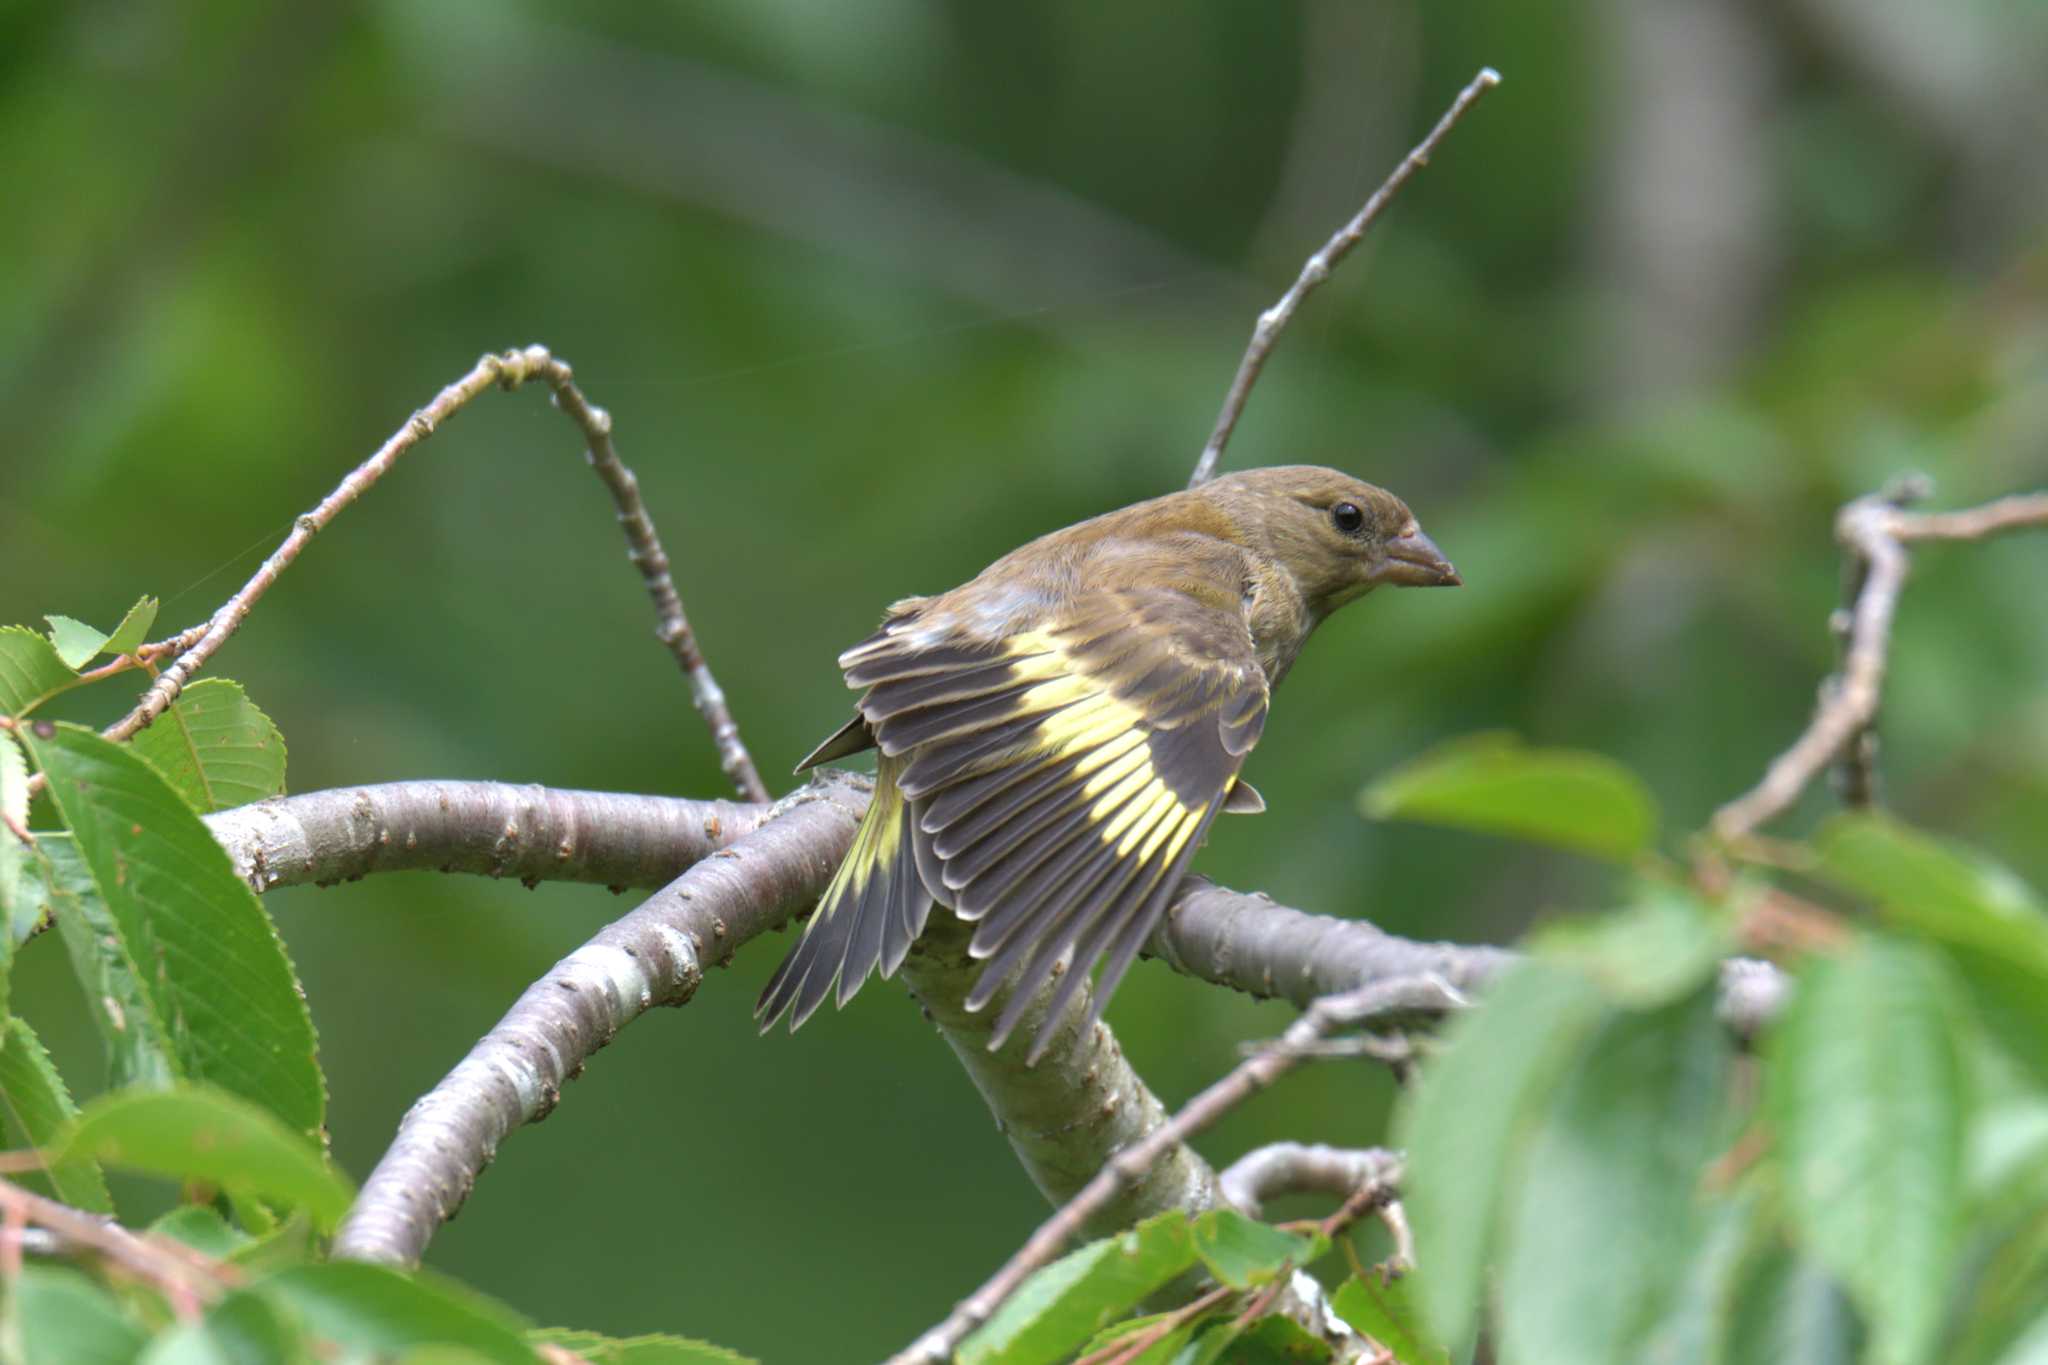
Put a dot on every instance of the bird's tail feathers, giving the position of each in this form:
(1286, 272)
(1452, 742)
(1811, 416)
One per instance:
(875, 905)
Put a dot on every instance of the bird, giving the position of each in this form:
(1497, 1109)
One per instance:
(1056, 736)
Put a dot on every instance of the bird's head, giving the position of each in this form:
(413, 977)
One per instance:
(1338, 536)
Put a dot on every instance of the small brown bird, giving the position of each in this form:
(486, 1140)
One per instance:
(1057, 734)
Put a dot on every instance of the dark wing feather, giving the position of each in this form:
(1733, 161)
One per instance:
(1062, 777)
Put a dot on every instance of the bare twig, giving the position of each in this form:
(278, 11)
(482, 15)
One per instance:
(643, 546)
(508, 371)
(1130, 1165)
(1875, 530)
(1266, 332)
(186, 1278)
(1283, 1168)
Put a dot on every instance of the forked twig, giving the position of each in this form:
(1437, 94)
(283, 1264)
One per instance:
(508, 371)
(1876, 531)
(1266, 332)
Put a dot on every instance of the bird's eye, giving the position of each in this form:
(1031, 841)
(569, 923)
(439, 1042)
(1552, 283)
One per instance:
(1347, 518)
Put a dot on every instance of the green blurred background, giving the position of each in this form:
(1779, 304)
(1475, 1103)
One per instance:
(875, 292)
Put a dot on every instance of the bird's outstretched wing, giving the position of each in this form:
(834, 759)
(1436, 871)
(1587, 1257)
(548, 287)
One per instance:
(1058, 780)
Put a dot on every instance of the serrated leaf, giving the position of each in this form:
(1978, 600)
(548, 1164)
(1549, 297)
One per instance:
(1787, 1309)
(59, 1315)
(1659, 948)
(139, 1046)
(1984, 919)
(201, 1227)
(647, 1350)
(1468, 1116)
(245, 1328)
(1076, 1296)
(1602, 1223)
(1386, 1313)
(76, 642)
(380, 1311)
(18, 909)
(1865, 1090)
(1493, 784)
(197, 1133)
(1277, 1340)
(38, 1108)
(217, 973)
(215, 747)
(134, 628)
(30, 671)
(1245, 1253)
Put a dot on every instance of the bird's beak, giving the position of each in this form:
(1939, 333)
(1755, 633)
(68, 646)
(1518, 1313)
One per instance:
(1413, 561)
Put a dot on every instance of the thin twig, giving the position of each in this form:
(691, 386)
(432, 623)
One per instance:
(1875, 530)
(1130, 1165)
(509, 369)
(1283, 1168)
(1266, 333)
(1128, 1348)
(643, 547)
(185, 1277)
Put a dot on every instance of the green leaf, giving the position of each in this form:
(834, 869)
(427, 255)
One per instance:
(76, 642)
(1467, 1118)
(1067, 1302)
(138, 1039)
(1865, 1089)
(648, 1350)
(1602, 1224)
(1584, 802)
(1982, 917)
(60, 1315)
(1787, 1309)
(217, 973)
(134, 628)
(30, 671)
(198, 1133)
(201, 1227)
(377, 1310)
(19, 908)
(1245, 1253)
(245, 1328)
(38, 1108)
(215, 747)
(1276, 1340)
(1387, 1314)
(1660, 948)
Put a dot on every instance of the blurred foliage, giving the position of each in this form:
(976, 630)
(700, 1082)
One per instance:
(874, 293)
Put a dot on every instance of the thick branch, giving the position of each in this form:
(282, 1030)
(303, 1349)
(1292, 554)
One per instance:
(1266, 333)
(1068, 1115)
(655, 955)
(1132, 1165)
(494, 829)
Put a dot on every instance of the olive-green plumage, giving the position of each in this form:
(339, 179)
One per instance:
(1057, 735)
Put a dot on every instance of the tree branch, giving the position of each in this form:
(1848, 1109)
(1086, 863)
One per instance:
(1875, 530)
(655, 955)
(493, 829)
(1065, 1117)
(508, 371)
(1133, 1164)
(1266, 332)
